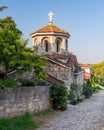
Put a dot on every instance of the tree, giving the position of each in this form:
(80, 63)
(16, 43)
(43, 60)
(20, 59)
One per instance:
(98, 71)
(70, 53)
(3, 7)
(39, 67)
(14, 52)
(10, 43)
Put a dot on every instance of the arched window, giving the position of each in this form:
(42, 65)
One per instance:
(46, 46)
(35, 46)
(58, 46)
(66, 45)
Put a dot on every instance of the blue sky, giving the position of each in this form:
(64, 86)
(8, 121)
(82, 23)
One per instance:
(83, 19)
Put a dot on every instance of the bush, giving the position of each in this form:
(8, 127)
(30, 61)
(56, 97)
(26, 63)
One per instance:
(9, 83)
(75, 94)
(87, 91)
(72, 94)
(27, 82)
(41, 82)
(59, 97)
(1, 84)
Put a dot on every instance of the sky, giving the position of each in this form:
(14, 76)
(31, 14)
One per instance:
(83, 19)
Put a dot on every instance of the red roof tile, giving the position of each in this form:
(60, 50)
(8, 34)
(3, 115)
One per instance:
(71, 59)
(49, 29)
(83, 65)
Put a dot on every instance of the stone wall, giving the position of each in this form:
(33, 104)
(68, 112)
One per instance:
(16, 101)
(39, 46)
(57, 71)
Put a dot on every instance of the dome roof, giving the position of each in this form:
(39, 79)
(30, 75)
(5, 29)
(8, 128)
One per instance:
(50, 28)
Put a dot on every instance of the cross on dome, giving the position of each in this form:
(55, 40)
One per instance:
(50, 15)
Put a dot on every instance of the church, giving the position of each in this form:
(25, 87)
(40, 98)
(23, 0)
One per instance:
(51, 42)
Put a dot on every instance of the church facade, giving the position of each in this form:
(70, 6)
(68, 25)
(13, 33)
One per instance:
(51, 42)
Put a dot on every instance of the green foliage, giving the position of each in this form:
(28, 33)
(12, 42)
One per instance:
(70, 53)
(24, 122)
(45, 113)
(12, 48)
(27, 121)
(39, 63)
(91, 83)
(98, 71)
(9, 83)
(14, 52)
(3, 7)
(72, 94)
(59, 97)
(32, 82)
(101, 79)
(75, 94)
(21, 82)
(87, 91)
(1, 84)
(41, 82)
(27, 82)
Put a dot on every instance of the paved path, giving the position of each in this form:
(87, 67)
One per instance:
(87, 115)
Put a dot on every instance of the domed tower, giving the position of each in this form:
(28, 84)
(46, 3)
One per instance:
(50, 39)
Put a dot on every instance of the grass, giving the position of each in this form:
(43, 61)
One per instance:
(44, 116)
(45, 113)
(24, 122)
(27, 121)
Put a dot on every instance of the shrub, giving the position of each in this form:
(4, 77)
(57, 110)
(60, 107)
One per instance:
(59, 97)
(92, 84)
(75, 94)
(101, 79)
(41, 82)
(9, 83)
(1, 84)
(87, 91)
(72, 94)
(27, 82)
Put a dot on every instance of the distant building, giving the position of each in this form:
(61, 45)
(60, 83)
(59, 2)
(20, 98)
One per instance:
(87, 71)
(52, 42)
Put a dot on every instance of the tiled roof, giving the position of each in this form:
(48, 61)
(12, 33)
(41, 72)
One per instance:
(71, 59)
(53, 80)
(83, 65)
(49, 29)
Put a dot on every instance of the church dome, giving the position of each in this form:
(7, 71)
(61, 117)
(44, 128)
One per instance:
(50, 39)
(50, 28)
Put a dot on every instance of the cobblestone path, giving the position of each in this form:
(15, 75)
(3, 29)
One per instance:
(87, 115)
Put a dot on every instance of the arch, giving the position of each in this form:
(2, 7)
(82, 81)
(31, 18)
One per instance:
(35, 41)
(66, 45)
(46, 44)
(58, 44)
(35, 45)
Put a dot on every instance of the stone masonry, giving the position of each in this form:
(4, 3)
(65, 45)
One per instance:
(87, 115)
(16, 101)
